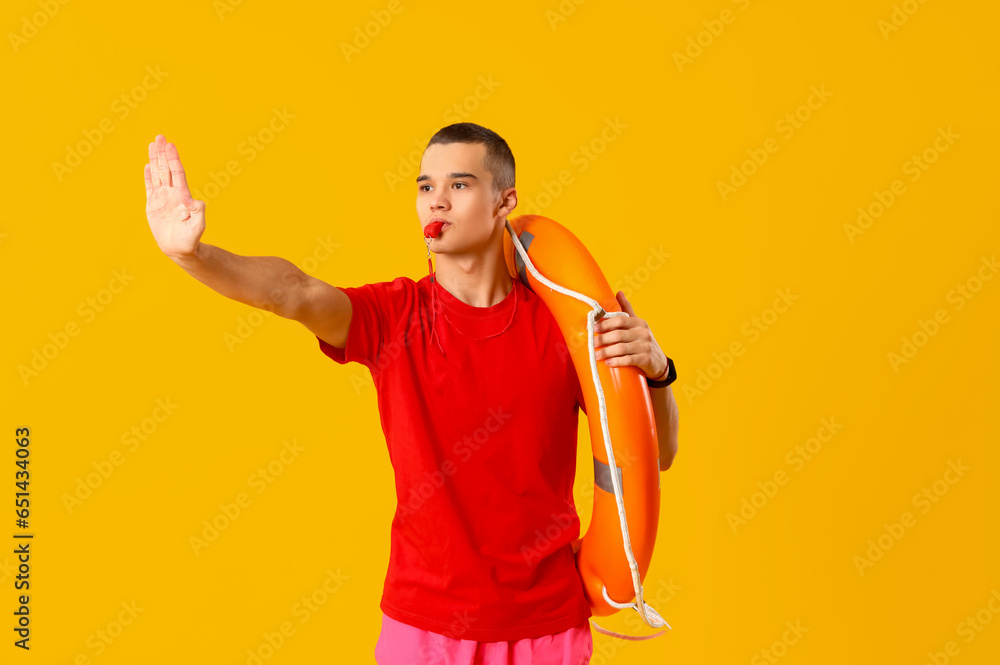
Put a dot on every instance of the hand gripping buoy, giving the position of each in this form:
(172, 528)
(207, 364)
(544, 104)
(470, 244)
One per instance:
(614, 555)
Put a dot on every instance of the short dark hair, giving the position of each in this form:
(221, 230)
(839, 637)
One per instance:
(499, 160)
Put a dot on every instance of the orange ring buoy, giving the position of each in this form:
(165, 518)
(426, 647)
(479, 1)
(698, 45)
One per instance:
(600, 554)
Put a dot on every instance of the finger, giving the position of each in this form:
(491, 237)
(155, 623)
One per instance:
(622, 335)
(177, 175)
(149, 183)
(154, 171)
(615, 322)
(623, 360)
(619, 349)
(161, 160)
(626, 305)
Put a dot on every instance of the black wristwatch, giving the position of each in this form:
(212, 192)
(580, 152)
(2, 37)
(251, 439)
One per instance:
(671, 377)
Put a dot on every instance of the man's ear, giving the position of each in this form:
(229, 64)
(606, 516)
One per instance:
(503, 203)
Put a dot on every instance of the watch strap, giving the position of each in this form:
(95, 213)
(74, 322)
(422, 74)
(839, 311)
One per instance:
(670, 378)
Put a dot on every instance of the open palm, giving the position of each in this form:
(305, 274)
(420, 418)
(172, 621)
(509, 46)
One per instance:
(176, 220)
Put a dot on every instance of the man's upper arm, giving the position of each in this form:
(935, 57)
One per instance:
(326, 311)
(351, 323)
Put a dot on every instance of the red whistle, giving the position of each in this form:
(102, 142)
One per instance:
(433, 230)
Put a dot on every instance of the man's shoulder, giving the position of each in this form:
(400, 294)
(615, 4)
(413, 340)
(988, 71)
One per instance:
(395, 296)
(405, 288)
(401, 284)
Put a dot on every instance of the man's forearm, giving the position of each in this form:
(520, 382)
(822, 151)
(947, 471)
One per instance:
(667, 425)
(267, 282)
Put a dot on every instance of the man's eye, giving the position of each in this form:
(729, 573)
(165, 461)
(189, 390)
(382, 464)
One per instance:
(422, 187)
(461, 183)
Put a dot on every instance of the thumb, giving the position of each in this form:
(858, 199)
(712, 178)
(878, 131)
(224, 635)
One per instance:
(623, 301)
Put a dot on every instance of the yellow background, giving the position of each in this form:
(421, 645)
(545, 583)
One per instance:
(555, 83)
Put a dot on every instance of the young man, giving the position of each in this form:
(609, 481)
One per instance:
(478, 406)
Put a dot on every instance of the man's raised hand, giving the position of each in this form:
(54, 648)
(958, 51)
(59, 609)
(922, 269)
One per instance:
(176, 220)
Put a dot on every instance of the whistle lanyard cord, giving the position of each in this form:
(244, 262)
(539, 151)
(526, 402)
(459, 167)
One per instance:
(596, 312)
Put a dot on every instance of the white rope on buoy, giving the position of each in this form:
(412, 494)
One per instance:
(597, 312)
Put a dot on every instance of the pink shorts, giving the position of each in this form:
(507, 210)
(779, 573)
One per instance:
(402, 644)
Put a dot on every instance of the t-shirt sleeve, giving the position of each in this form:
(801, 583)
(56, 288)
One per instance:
(368, 329)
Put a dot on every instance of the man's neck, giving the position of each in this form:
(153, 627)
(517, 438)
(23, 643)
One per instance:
(484, 285)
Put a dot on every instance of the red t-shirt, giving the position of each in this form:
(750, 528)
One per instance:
(481, 425)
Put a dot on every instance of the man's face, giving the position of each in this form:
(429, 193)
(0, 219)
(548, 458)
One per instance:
(454, 186)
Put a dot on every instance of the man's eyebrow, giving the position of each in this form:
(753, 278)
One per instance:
(450, 175)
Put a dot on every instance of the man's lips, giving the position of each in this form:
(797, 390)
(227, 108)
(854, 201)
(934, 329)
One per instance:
(433, 230)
